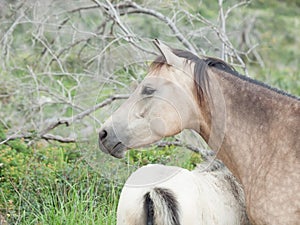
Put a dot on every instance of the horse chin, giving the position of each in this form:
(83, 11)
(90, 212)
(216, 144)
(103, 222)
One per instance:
(117, 151)
(118, 155)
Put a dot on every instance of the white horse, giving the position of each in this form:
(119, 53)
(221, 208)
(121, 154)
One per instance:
(168, 195)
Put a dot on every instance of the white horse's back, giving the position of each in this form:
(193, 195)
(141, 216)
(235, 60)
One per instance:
(173, 196)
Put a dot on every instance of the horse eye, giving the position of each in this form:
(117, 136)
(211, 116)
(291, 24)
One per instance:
(148, 90)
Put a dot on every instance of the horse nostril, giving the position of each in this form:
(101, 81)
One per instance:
(102, 135)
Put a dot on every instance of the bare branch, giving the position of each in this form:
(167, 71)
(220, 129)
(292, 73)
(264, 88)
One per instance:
(44, 134)
(51, 137)
(139, 9)
(83, 8)
(50, 51)
(224, 40)
(229, 10)
(206, 153)
(222, 29)
(209, 156)
(70, 120)
(111, 11)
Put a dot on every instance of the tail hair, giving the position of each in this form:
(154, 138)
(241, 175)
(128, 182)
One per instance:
(161, 207)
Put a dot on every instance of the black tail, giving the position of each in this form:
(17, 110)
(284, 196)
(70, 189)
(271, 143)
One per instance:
(161, 207)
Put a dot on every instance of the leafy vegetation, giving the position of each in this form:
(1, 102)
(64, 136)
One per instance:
(51, 183)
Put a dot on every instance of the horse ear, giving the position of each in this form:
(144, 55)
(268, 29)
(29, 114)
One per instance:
(168, 54)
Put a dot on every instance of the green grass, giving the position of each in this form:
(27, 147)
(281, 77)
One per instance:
(52, 184)
(77, 203)
(68, 203)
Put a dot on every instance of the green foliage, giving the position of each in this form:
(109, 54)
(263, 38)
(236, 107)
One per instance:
(167, 155)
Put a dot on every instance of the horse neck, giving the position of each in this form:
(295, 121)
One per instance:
(253, 123)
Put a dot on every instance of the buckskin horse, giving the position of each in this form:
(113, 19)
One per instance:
(255, 129)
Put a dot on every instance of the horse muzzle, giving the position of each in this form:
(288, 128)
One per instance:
(109, 143)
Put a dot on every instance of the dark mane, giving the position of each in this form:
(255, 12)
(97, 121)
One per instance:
(190, 57)
(201, 65)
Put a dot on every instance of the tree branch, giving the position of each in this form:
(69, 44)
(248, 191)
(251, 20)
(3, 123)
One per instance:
(139, 9)
(44, 134)
(206, 153)
(70, 120)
